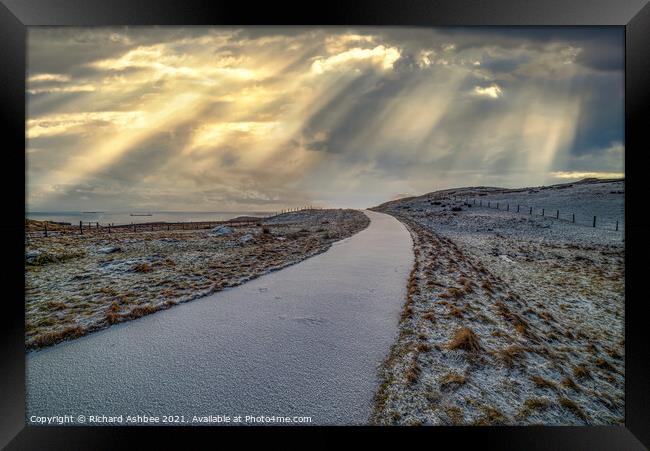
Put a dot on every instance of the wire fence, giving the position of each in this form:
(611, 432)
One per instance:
(582, 219)
(53, 228)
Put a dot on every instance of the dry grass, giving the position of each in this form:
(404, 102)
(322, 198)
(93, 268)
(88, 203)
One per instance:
(533, 405)
(381, 397)
(520, 324)
(452, 380)
(407, 312)
(465, 339)
(429, 316)
(454, 414)
(540, 382)
(569, 383)
(142, 310)
(50, 338)
(113, 316)
(487, 286)
(412, 284)
(604, 365)
(413, 372)
(453, 293)
(537, 403)
(455, 311)
(510, 355)
(581, 372)
(55, 306)
(142, 267)
(48, 258)
(573, 407)
(491, 417)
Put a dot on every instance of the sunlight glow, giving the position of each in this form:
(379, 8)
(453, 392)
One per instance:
(256, 118)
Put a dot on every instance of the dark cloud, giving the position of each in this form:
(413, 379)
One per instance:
(286, 115)
(602, 114)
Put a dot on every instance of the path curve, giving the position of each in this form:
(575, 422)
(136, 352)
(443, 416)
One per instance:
(305, 340)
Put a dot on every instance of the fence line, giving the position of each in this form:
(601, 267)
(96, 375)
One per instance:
(295, 209)
(88, 226)
(593, 218)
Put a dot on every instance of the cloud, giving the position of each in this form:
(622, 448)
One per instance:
(269, 117)
(380, 56)
(493, 91)
(81, 122)
(78, 88)
(573, 175)
(48, 77)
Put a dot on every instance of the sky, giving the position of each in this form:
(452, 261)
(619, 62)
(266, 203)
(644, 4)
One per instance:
(266, 118)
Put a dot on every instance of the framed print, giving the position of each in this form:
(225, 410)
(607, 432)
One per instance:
(410, 218)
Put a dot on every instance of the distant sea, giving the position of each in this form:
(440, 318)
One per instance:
(118, 218)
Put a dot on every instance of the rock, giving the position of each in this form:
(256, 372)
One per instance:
(169, 240)
(109, 250)
(31, 256)
(246, 238)
(221, 230)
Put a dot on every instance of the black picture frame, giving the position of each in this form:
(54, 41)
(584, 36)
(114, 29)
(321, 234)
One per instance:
(634, 15)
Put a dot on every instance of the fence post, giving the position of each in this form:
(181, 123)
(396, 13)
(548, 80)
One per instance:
(557, 214)
(531, 211)
(507, 207)
(45, 229)
(81, 227)
(616, 226)
(497, 205)
(133, 226)
(97, 224)
(573, 218)
(542, 212)
(109, 227)
(594, 221)
(517, 208)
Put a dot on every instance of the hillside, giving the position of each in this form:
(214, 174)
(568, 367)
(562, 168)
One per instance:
(511, 317)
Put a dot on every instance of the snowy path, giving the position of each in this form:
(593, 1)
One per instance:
(305, 340)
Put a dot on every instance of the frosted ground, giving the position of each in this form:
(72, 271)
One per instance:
(510, 318)
(304, 341)
(76, 284)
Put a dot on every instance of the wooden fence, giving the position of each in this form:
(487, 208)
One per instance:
(85, 227)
